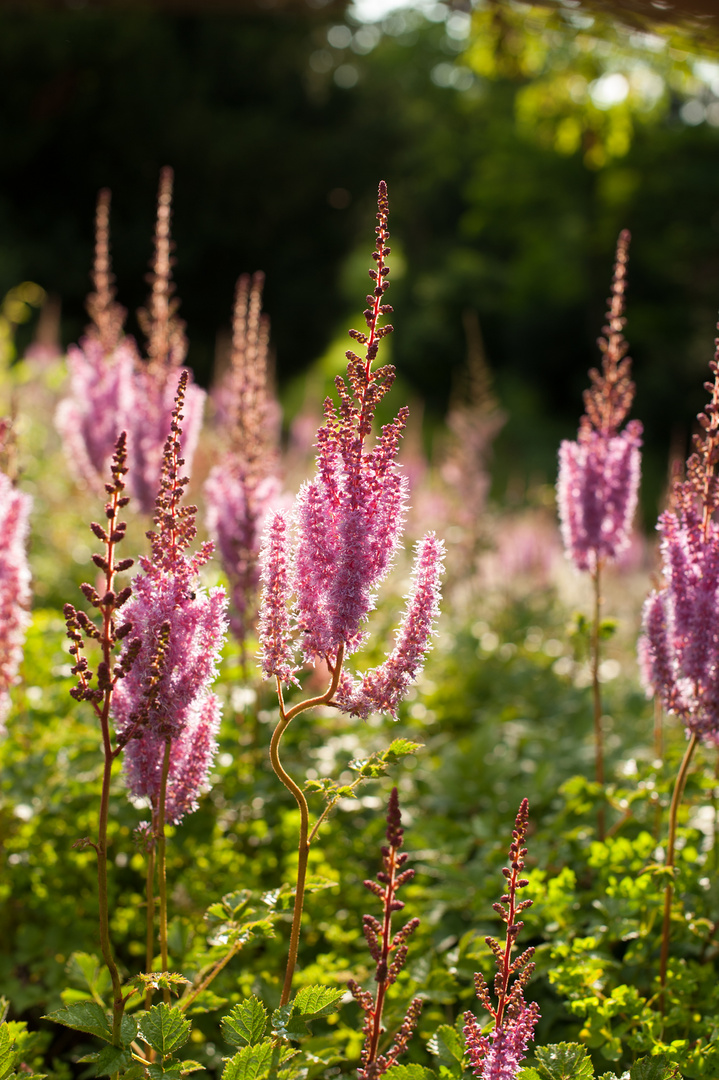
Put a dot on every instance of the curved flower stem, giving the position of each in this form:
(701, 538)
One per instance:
(304, 841)
(161, 866)
(669, 889)
(597, 699)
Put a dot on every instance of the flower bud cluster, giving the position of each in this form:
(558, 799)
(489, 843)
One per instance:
(14, 585)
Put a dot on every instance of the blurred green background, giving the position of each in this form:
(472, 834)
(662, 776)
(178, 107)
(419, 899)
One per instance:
(516, 140)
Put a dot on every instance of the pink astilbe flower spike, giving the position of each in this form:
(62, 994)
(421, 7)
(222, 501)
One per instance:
(101, 371)
(243, 488)
(155, 381)
(14, 586)
(679, 649)
(382, 689)
(178, 630)
(497, 1056)
(346, 527)
(599, 473)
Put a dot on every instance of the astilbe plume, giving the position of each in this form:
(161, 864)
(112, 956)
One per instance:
(679, 648)
(155, 380)
(178, 631)
(497, 1056)
(244, 486)
(388, 950)
(14, 586)
(334, 549)
(101, 370)
(599, 473)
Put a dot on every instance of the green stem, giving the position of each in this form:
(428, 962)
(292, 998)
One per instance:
(597, 700)
(162, 866)
(296, 791)
(150, 939)
(212, 974)
(669, 889)
(118, 1004)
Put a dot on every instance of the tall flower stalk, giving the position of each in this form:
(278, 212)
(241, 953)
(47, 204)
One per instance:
(243, 487)
(165, 713)
(497, 1056)
(108, 634)
(321, 564)
(679, 648)
(15, 508)
(388, 950)
(598, 479)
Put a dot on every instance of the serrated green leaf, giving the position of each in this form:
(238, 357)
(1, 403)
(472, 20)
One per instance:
(157, 1072)
(112, 1059)
(653, 1068)
(7, 1054)
(447, 1046)
(216, 911)
(400, 748)
(189, 1066)
(316, 883)
(162, 980)
(128, 1029)
(528, 1073)
(85, 1016)
(564, 1061)
(254, 1062)
(245, 1024)
(165, 1028)
(410, 1072)
(237, 901)
(313, 1001)
(87, 970)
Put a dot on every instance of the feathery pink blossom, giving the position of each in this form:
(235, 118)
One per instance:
(599, 473)
(499, 1055)
(597, 494)
(243, 488)
(346, 527)
(191, 757)
(178, 630)
(382, 689)
(14, 586)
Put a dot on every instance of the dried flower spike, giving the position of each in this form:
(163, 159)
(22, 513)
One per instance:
(382, 944)
(497, 1056)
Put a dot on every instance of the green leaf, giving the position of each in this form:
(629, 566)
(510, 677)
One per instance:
(400, 748)
(7, 1055)
(253, 1062)
(187, 1067)
(87, 970)
(287, 1026)
(162, 980)
(447, 1046)
(157, 1072)
(128, 1029)
(529, 1074)
(245, 1024)
(112, 1059)
(314, 1001)
(165, 1029)
(85, 1016)
(410, 1072)
(653, 1068)
(564, 1061)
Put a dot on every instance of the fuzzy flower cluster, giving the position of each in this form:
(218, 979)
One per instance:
(111, 388)
(324, 560)
(599, 473)
(679, 648)
(243, 487)
(178, 630)
(14, 585)
(497, 1056)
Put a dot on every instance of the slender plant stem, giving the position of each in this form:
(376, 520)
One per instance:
(150, 938)
(671, 844)
(162, 866)
(214, 971)
(382, 984)
(118, 1003)
(597, 699)
(304, 840)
